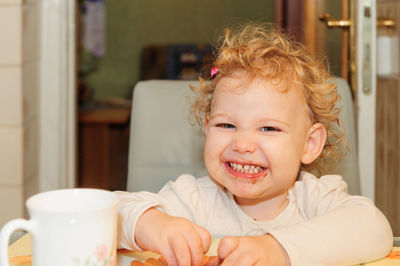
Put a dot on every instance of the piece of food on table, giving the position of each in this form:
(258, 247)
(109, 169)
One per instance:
(155, 262)
(21, 259)
(208, 261)
(136, 263)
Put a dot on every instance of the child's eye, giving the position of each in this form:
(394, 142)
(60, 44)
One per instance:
(225, 125)
(269, 129)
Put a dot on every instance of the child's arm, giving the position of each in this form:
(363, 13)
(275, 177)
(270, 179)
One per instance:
(342, 229)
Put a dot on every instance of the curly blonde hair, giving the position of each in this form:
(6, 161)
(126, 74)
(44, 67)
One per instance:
(265, 51)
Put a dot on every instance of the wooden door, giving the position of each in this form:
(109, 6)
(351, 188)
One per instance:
(324, 42)
(387, 188)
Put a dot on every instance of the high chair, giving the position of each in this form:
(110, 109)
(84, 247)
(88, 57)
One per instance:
(164, 145)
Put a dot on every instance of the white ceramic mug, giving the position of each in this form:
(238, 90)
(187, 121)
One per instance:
(68, 227)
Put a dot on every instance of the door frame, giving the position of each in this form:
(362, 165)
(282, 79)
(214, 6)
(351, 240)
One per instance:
(58, 95)
(365, 36)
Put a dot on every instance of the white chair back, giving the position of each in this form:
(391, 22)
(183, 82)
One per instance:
(163, 144)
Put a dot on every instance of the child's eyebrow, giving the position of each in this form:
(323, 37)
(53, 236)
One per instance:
(262, 121)
(219, 115)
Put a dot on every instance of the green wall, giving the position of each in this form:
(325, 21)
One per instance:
(133, 24)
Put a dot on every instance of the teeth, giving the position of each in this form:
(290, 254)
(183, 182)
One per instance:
(248, 169)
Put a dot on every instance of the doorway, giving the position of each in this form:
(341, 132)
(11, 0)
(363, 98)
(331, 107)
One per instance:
(385, 135)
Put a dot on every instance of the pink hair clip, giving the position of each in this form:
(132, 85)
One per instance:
(214, 72)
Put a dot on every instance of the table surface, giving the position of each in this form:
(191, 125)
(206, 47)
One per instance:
(20, 250)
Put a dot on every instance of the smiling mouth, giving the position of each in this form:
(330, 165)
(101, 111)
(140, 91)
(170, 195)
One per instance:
(245, 170)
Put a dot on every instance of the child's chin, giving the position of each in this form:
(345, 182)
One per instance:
(245, 198)
(245, 193)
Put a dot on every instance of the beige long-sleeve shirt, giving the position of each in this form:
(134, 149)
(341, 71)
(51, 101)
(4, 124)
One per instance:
(321, 225)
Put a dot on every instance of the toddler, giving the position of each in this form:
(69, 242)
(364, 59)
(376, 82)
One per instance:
(268, 115)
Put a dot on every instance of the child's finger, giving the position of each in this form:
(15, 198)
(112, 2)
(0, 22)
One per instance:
(181, 250)
(211, 261)
(204, 236)
(239, 259)
(194, 243)
(226, 246)
(168, 254)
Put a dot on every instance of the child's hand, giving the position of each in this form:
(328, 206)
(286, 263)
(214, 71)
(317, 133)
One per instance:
(178, 240)
(252, 250)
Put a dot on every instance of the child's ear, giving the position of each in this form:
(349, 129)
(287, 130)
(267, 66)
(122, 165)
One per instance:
(316, 137)
(206, 125)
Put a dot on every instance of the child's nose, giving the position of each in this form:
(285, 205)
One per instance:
(243, 143)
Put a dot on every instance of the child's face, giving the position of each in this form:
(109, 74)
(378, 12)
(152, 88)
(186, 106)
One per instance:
(254, 126)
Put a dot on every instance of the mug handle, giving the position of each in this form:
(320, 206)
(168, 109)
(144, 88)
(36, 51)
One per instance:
(5, 234)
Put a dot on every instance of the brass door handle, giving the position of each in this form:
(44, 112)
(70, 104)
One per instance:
(333, 23)
(385, 22)
(346, 23)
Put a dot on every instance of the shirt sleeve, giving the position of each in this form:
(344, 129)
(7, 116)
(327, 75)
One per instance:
(339, 230)
(179, 198)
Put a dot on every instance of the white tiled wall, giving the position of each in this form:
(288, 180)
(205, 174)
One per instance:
(10, 34)
(11, 156)
(30, 31)
(11, 2)
(11, 200)
(30, 148)
(19, 89)
(31, 187)
(10, 95)
(30, 90)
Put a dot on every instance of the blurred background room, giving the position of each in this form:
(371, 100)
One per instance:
(68, 70)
